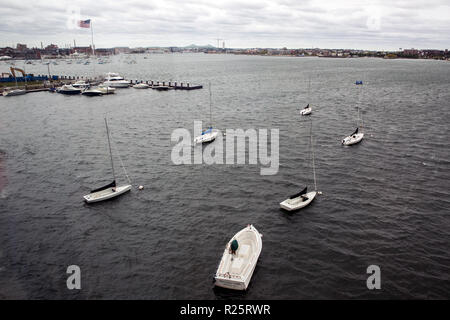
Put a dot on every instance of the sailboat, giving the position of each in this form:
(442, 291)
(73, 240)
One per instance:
(356, 136)
(207, 135)
(111, 190)
(17, 91)
(307, 110)
(302, 198)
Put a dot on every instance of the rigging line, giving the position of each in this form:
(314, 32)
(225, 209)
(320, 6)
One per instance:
(110, 153)
(210, 105)
(313, 163)
(121, 162)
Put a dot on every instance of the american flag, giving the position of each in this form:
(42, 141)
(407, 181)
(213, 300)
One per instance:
(84, 23)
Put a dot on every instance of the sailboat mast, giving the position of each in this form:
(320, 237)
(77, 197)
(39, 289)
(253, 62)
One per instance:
(313, 163)
(210, 105)
(110, 153)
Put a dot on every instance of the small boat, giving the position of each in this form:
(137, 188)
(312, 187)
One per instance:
(354, 138)
(111, 190)
(14, 92)
(306, 111)
(161, 87)
(207, 135)
(68, 89)
(81, 84)
(239, 259)
(141, 86)
(93, 91)
(106, 89)
(298, 200)
(302, 198)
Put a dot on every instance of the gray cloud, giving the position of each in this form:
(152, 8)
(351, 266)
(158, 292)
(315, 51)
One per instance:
(263, 23)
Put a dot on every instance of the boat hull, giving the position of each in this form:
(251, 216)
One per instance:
(207, 137)
(353, 139)
(297, 203)
(106, 194)
(11, 93)
(236, 270)
(305, 112)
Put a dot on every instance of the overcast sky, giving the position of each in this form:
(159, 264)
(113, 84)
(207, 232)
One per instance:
(387, 25)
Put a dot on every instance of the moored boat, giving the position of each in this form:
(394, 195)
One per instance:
(239, 259)
(68, 89)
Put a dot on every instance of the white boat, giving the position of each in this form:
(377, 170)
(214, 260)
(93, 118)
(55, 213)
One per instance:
(92, 91)
(306, 111)
(80, 84)
(106, 193)
(209, 134)
(114, 80)
(299, 200)
(106, 89)
(302, 198)
(239, 259)
(141, 85)
(68, 89)
(111, 190)
(14, 92)
(354, 138)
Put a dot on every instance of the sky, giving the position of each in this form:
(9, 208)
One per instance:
(351, 24)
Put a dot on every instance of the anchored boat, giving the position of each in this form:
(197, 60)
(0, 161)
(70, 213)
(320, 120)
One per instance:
(239, 259)
(111, 190)
(303, 198)
(207, 135)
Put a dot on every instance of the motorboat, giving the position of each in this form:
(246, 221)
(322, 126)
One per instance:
(81, 84)
(354, 138)
(239, 259)
(68, 89)
(110, 190)
(114, 80)
(13, 92)
(141, 85)
(92, 91)
(106, 89)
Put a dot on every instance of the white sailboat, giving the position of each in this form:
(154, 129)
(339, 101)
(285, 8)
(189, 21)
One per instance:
(303, 198)
(207, 135)
(307, 110)
(239, 259)
(111, 190)
(356, 136)
(16, 91)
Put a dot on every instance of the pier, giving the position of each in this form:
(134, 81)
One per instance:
(44, 83)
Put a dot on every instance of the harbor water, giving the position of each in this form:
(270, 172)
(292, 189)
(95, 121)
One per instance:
(385, 201)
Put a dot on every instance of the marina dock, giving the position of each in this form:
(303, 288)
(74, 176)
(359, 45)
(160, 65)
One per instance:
(45, 83)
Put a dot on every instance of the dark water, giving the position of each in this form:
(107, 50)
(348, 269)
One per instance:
(385, 201)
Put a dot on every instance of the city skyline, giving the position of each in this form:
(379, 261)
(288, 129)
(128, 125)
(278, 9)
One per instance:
(366, 25)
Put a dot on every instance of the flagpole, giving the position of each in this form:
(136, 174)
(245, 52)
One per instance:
(92, 38)
(93, 48)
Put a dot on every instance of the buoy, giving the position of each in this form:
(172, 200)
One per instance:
(141, 187)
